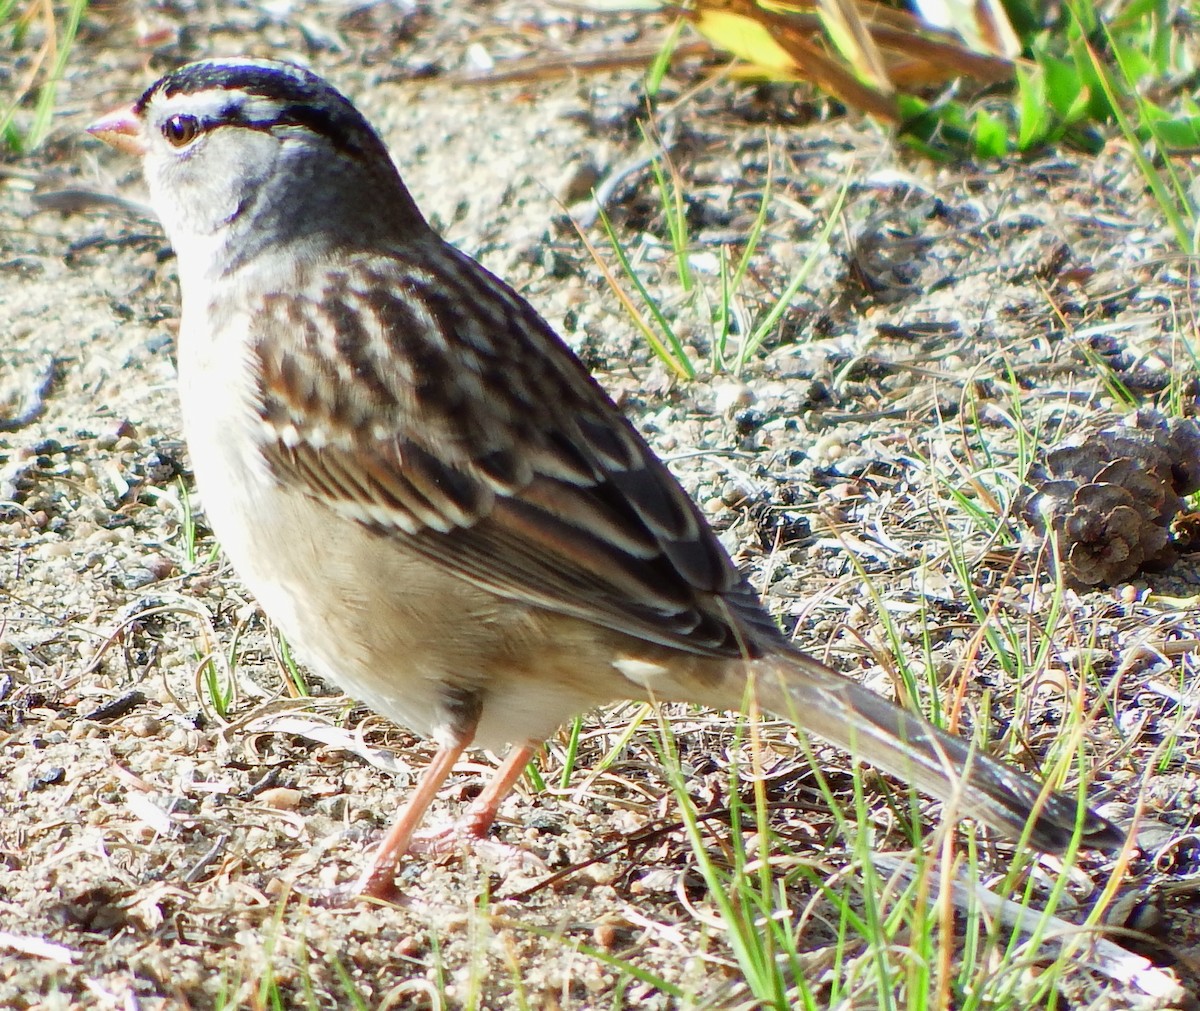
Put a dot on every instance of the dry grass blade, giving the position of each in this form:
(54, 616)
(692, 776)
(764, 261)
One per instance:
(1047, 931)
(859, 51)
(916, 52)
(919, 58)
(845, 27)
(545, 67)
(787, 49)
(983, 24)
(39, 60)
(38, 948)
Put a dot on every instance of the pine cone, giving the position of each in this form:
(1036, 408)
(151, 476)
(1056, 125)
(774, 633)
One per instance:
(1111, 496)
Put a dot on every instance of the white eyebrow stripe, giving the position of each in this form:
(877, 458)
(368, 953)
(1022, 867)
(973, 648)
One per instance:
(217, 103)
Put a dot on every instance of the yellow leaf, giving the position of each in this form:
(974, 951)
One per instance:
(745, 38)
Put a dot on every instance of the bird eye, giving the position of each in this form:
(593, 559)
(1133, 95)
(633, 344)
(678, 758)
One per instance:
(181, 130)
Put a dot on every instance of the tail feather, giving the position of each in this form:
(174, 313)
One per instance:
(843, 712)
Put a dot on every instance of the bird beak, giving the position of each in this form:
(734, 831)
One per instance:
(121, 129)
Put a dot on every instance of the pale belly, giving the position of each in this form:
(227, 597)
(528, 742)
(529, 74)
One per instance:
(394, 631)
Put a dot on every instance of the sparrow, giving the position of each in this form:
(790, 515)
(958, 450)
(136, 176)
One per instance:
(429, 494)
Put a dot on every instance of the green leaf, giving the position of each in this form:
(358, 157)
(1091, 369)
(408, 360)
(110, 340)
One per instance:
(1178, 134)
(1032, 109)
(938, 131)
(991, 135)
(1064, 88)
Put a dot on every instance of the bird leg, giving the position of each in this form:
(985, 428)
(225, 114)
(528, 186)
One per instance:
(479, 816)
(379, 879)
(481, 812)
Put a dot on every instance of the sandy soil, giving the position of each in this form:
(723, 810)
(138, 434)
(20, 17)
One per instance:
(158, 850)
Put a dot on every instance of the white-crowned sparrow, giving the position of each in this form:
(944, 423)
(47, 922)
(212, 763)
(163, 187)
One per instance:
(426, 490)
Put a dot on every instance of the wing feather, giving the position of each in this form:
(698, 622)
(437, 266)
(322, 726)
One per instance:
(450, 418)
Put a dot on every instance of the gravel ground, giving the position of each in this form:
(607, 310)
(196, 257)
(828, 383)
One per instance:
(164, 849)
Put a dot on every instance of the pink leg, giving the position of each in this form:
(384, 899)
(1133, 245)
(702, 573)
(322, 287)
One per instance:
(379, 879)
(483, 809)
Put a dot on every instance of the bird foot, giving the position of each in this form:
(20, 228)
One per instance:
(466, 835)
(460, 837)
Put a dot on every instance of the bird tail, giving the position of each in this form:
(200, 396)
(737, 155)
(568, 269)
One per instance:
(843, 712)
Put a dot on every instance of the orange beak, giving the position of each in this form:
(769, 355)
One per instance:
(121, 129)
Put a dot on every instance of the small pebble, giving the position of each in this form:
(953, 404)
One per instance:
(144, 726)
(409, 947)
(135, 578)
(282, 798)
(579, 183)
(730, 396)
(160, 566)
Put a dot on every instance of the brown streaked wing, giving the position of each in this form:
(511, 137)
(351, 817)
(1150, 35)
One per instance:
(457, 423)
